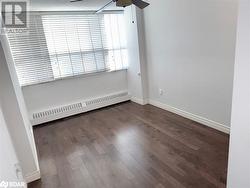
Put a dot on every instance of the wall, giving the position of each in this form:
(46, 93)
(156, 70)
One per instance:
(15, 114)
(137, 75)
(190, 54)
(239, 150)
(44, 96)
(19, 94)
(9, 159)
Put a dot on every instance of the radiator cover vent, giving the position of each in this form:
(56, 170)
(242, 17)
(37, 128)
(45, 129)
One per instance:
(76, 108)
(57, 110)
(106, 98)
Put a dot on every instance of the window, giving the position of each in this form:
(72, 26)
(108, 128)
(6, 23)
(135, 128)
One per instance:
(65, 45)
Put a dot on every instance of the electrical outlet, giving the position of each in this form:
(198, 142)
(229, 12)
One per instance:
(18, 171)
(161, 92)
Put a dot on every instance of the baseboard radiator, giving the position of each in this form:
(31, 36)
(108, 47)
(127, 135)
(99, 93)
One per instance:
(59, 112)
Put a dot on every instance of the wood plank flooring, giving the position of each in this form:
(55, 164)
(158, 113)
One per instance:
(130, 146)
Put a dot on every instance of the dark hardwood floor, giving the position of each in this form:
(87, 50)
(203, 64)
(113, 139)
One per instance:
(130, 146)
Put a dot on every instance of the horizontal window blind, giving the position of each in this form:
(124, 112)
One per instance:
(30, 53)
(62, 45)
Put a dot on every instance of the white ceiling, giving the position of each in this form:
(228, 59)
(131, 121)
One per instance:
(66, 5)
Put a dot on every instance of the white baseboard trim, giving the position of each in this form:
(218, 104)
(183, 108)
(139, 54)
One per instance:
(32, 176)
(139, 101)
(199, 119)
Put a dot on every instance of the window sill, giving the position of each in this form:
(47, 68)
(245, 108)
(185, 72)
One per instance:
(74, 77)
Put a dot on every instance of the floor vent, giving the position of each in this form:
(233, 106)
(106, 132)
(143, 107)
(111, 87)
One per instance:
(76, 108)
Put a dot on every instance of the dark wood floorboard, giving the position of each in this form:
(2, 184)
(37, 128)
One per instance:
(130, 146)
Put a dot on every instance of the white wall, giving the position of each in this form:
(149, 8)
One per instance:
(8, 157)
(190, 48)
(61, 92)
(18, 92)
(137, 75)
(15, 114)
(239, 154)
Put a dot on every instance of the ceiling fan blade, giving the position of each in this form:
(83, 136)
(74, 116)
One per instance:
(101, 9)
(72, 1)
(123, 3)
(141, 4)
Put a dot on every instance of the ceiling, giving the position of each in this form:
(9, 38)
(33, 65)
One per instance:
(66, 5)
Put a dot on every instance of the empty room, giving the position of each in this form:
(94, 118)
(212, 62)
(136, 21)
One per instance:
(125, 94)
